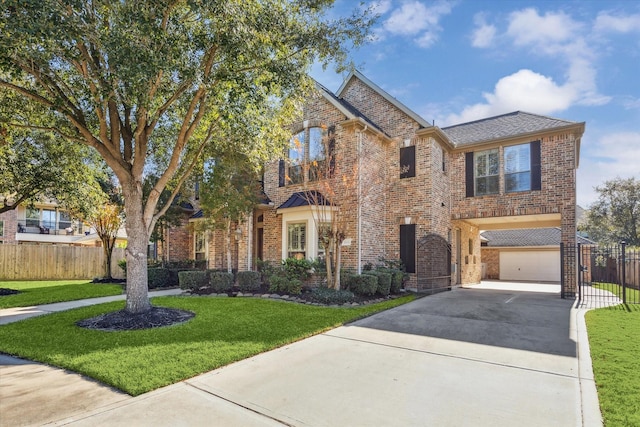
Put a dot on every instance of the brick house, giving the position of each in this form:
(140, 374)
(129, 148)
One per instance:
(429, 190)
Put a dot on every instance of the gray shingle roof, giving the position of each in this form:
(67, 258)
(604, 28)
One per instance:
(504, 126)
(527, 237)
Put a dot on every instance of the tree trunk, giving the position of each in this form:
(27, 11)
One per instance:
(337, 268)
(136, 252)
(228, 245)
(107, 247)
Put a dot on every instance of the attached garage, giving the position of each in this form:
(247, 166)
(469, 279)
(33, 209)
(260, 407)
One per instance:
(530, 265)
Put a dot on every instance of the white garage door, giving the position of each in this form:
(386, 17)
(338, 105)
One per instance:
(542, 266)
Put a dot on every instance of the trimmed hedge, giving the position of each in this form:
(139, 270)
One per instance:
(193, 279)
(221, 281)
(384, 281)
(362, 284)
(331, 296)
(248, 281)
(159, 278)
(285, 285)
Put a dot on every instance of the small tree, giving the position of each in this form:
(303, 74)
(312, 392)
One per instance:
(342, 181)
(615, 216)
(229, 192)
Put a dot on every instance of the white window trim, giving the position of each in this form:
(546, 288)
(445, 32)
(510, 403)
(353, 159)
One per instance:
(303, 214)
(206, 244)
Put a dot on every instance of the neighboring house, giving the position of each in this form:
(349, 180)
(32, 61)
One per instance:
(436, 187)
(45, 223)
(530, 254)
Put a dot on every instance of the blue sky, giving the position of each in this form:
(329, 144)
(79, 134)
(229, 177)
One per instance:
(457, 61)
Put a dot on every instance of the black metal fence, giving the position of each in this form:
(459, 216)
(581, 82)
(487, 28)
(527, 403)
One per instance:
(608, 275)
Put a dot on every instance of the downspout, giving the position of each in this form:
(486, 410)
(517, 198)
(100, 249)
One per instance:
(250, 226)
(360, 199)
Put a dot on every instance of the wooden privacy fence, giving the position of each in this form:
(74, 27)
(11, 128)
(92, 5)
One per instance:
(49, 262)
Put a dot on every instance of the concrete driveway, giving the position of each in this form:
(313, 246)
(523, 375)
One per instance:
(467, 357)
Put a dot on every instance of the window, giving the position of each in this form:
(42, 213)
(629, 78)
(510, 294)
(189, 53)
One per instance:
(307, 157)
(486, 172)
(1, 228)
(200, 245)
(408, 162)
(296, 158)
(522, 170)
(517, 168)
(33, 217)
(444, 159)
(49, 219)
(296, 240)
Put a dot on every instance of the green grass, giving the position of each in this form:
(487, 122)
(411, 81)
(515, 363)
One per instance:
(50, 291)
(614, 338)
(632, 295)
(224, 330)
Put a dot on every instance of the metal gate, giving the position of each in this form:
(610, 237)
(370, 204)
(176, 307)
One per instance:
(433, 264)
(608, 275)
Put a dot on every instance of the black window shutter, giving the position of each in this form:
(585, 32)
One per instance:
(408, 246)
(536, 166)
(468, 174)
(408, 162)
(281, 177)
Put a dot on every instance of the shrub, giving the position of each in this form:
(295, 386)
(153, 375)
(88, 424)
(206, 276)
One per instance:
(384, 281)
(159, 278)
(123, 265)
(362, 284)
(192, 279)
(331, 296)
(297, 268)
(221, 281)
(283, 284)
(266, 269)
(248, 281)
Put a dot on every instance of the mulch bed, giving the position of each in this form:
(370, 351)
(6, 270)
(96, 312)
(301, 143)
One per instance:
(7, 291)
(124, 321)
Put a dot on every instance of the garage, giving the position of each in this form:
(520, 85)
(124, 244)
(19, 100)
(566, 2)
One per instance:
(530, 265)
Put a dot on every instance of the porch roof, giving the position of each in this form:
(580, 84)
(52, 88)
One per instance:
(305, 198)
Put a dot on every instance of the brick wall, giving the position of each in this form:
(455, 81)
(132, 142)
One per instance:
(10, 227)
(491, 258)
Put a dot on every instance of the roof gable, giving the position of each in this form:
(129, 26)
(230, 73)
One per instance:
(355, 74)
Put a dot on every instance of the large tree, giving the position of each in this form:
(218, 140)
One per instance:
(151, 84)
(615, 216)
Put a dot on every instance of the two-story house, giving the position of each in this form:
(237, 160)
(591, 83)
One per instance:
(424, 193)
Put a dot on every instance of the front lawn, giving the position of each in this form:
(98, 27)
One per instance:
(224, 330)
(614, 338)
(50, 291)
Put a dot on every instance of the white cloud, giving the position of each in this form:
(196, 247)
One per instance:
(524, 90)
(619, 24)
(554, 36)
(528, 28)
(381, 7)
(484, 34)
(415, 19)
(613, 155)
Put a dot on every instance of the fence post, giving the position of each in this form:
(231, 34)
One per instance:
(624, 275)
(580, 270)
(562, 280)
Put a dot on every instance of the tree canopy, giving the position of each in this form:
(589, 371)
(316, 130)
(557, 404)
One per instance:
(151, 84)
(615, 216)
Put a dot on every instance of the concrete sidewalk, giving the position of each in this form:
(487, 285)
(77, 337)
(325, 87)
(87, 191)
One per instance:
(467, 357)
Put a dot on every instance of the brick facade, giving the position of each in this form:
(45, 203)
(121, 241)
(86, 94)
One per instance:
(370, 129)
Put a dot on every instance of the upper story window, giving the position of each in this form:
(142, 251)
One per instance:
(307, 157)
(1, 228)
(517, 168)
(486, 172)
(521, 169)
